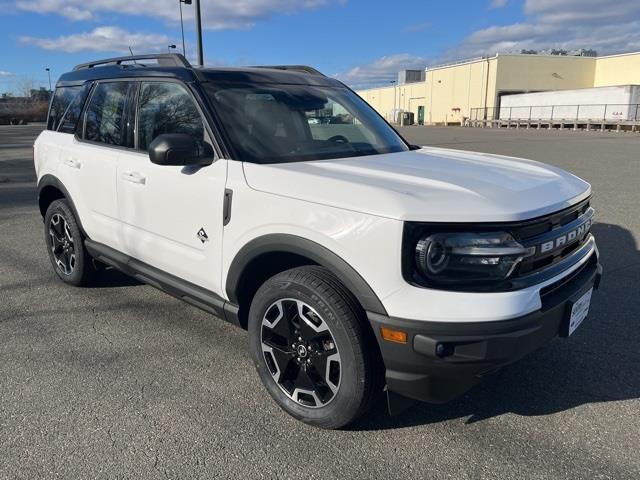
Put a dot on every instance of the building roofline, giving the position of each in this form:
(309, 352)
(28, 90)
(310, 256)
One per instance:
(545, 55)
(625, 54)
(457, 63)
(484, 58)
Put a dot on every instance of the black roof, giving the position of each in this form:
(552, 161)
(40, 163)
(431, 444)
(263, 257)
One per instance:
(176, 66)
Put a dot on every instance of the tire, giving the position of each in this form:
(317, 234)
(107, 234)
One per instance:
(65, 245)
(330, 373)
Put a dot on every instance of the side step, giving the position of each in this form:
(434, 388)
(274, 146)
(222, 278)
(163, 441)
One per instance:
(168, 283)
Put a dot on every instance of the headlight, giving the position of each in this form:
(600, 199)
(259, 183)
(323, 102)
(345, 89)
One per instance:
(458, 258)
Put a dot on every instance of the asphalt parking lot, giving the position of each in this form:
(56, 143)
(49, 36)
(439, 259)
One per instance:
(123, 381)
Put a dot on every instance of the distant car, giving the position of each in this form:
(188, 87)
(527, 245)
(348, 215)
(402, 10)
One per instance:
(354, 259)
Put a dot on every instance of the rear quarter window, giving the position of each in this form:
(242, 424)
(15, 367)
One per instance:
(70, 119)
(61, 101)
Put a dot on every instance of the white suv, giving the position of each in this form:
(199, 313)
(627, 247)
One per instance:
(278, 200)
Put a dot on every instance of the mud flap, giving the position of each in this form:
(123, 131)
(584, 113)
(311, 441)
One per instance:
(396, 404)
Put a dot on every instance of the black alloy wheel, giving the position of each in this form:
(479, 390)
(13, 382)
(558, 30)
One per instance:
(61, 244)
(300, 352)
(65, 245)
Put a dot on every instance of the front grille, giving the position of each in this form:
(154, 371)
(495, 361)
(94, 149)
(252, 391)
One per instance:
(553, 238)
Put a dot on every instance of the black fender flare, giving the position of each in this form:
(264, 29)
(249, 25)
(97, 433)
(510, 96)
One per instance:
(319, 254)
(49, 180)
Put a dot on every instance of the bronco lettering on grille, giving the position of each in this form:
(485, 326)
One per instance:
(567, 238)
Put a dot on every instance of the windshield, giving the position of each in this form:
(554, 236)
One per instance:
(286, 123)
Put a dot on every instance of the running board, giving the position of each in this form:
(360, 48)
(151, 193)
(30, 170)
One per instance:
(168, 283)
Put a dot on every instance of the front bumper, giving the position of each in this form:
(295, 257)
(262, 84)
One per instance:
(442, 360)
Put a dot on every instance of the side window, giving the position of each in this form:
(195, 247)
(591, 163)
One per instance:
(105, 119)
(70, 118)
(63, 97)
(166, 108)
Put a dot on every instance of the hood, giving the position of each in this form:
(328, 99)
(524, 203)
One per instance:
(429, 185)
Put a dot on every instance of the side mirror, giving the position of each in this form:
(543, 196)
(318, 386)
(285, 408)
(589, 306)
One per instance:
(179, 149)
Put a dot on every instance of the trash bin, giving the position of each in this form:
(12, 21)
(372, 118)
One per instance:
(406, 118)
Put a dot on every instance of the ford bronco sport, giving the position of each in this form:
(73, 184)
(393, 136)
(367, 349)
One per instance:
(278, 200)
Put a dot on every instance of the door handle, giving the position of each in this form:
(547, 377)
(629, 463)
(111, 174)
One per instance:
(72, 162)
(134, 177)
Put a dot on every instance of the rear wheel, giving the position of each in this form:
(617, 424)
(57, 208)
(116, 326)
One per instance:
(310, 348)
(65, 245)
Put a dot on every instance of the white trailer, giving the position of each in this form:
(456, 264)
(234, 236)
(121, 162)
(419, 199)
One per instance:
(617, 104)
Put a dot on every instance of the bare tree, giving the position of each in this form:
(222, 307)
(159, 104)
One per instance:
(23, 86)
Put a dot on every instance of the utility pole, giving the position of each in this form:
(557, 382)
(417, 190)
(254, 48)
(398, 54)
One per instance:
(199, 33)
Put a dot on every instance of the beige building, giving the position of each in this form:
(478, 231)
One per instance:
(450, 92)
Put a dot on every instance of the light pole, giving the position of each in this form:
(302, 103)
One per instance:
(169, 47)
(180, 2)
(49, 75)
(199, 33)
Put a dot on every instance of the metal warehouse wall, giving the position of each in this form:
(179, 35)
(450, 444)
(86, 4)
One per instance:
(449, 92)
(617, 70)
(453, 90)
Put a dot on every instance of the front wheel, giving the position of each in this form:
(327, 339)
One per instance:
(310, 348)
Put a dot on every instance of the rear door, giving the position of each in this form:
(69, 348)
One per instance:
(172, 217)
(89, 160)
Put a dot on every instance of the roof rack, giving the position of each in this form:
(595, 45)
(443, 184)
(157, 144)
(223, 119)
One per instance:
(294, 68)
(164, 59)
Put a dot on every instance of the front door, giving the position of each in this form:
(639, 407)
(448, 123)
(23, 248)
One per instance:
(172, 217)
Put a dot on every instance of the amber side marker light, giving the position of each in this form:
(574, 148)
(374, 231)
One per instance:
(391, 335)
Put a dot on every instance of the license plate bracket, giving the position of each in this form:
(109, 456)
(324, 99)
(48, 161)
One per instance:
(577, 311)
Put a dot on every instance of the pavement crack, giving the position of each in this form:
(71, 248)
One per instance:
(100, 333)
(110, 435)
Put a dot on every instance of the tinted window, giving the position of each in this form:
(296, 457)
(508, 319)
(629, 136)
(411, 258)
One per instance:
(166, 108)
(72, 115)
(269, 123)
(106, 113)
(61, 101)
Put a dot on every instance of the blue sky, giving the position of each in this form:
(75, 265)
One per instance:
(361, 42)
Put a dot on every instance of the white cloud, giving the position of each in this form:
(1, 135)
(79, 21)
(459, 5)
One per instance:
(498, 3)
(4, 74)
(216, 14)
(102, 39)
(582, 11)
(607, 26)
(381, 71)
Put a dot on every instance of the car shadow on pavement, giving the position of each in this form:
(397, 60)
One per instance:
(109, 277)
(598, 363)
